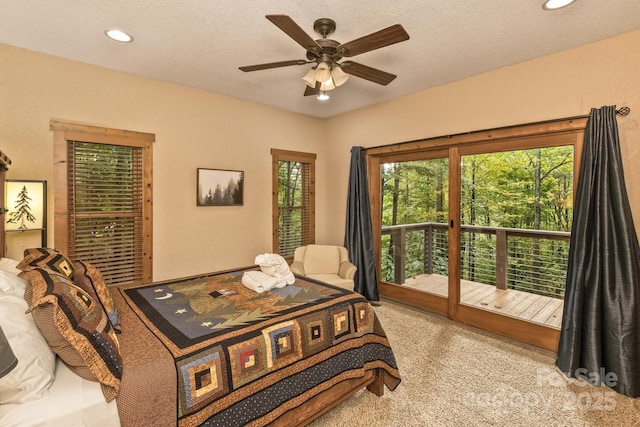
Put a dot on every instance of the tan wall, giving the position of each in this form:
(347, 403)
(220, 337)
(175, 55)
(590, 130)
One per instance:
(565, 84)
(193, 129)
(199, 129)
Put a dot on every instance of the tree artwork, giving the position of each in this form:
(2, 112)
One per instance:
(23, 210)
(218, 187)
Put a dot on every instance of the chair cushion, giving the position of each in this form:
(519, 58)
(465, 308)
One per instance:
(333, 279)
(319, 259)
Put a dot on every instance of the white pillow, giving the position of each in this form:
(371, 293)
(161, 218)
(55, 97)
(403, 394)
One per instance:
(34, 373)
(9, 265)
(12, 284)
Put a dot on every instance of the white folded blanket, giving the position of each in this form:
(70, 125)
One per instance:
(259, 282)
(276, 266)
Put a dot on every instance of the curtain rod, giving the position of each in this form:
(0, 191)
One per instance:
(622, 111)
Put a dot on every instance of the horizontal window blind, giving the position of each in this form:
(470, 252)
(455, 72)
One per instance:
(294, 208)
(294, 229)
(105, 198)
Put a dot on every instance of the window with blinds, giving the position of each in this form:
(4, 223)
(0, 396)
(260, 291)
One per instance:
(103, 200)
(105, 209)
(293, 200)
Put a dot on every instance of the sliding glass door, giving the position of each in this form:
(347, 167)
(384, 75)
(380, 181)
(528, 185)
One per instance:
(477, 227)
(414, 234)
(516, 210)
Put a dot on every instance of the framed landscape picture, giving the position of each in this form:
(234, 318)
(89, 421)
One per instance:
(220, 187)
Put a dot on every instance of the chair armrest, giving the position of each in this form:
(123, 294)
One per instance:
(347, 270)
(296, 267)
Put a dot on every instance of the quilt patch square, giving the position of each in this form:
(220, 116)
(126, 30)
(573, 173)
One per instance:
(202, 378)
(315, 332)
(283, 344)
(363, 318)
(342, 323)
(248, 361)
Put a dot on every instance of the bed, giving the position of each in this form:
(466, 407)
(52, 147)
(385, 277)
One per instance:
(202, 350)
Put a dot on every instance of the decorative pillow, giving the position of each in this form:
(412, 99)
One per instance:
(89, 278)
(34, 373)
(46, 258)
(76, 328)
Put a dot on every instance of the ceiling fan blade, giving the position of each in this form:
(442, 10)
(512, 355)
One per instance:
(367, 73)
(273, 65)
(293, 30)
(385, 37)
(312, 90)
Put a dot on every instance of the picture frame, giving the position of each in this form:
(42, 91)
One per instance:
(219, 187)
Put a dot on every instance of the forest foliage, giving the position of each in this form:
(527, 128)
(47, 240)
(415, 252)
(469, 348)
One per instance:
(292, 206)
(525, 189)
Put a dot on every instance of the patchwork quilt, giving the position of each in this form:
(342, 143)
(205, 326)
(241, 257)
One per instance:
(243, 357)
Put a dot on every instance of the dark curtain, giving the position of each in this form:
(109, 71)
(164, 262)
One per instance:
(358, 236)
(601, 322)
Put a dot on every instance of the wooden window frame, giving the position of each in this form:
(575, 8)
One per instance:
(64, 132)
(293, 156)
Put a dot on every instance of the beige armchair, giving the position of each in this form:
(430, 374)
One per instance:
(329, 264)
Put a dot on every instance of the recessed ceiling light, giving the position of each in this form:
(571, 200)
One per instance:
(556, 4)
(119, 36)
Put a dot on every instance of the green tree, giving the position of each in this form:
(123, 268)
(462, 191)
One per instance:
(23, 210)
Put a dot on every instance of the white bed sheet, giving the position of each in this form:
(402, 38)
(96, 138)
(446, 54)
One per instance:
(71, 402)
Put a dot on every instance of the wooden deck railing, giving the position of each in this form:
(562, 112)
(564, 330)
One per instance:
(513, 268)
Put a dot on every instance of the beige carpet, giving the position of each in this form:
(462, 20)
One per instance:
(453, 375)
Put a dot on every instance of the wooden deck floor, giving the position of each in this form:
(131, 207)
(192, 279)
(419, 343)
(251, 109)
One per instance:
(523, 305)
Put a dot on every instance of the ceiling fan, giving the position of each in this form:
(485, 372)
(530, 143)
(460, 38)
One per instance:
(327, 73)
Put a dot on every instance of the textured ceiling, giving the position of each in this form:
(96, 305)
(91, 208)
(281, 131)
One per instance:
(202, 43)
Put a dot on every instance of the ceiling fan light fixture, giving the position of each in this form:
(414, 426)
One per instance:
(310, 78)
(556, 4)
(323, 72)
(328, 85)
(326, 74)
(323, 96)
(339, 76)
